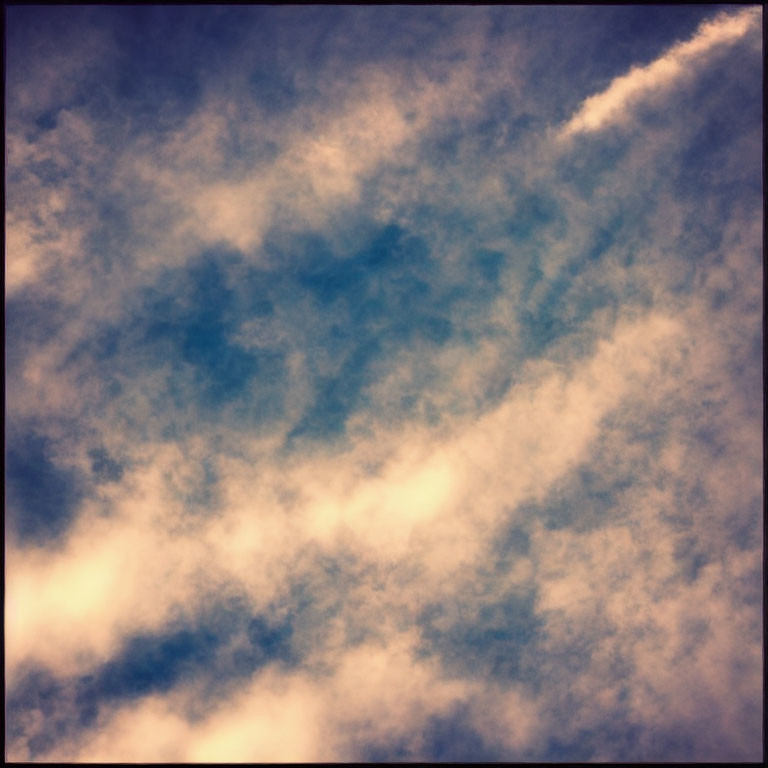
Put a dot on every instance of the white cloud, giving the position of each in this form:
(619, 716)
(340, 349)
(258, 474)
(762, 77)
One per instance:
(373, 693)
(417, 506)
(409, 514)
(614, 104)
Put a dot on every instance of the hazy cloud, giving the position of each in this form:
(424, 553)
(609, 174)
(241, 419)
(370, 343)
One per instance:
(354, 415)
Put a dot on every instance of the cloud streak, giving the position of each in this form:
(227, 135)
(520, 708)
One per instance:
(614, 105)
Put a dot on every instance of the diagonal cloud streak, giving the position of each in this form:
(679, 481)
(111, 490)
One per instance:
(614, 105)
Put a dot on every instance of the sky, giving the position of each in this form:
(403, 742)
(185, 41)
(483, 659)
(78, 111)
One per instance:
(383, 383)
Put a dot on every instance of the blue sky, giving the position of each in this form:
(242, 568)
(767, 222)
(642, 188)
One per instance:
(383, 383)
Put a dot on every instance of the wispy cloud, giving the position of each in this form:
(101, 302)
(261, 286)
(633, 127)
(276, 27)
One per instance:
(353, 416)
(615, 103)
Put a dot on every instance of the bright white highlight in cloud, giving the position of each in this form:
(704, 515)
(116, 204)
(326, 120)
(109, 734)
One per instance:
(354, 417)
(613, 104)
(418, 503)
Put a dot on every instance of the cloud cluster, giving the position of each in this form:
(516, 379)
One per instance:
(354, 415)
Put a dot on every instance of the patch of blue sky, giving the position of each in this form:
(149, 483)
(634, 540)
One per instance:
(42, 494)
(409, 288)
(32, 317)
(105, 468)
(364, 308)
(709, 155)
(494, 640)
(221, 650)
(370, 305)
(189, 325)
(608, 39)
(450, 738)
(584, 500)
